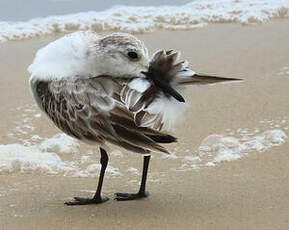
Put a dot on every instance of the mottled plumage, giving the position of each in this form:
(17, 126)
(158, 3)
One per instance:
(102, 109)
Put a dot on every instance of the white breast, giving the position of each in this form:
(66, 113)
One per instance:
(172, 111)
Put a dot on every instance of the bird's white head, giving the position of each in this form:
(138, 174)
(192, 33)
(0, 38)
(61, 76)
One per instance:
(85, 54)
(122, 54)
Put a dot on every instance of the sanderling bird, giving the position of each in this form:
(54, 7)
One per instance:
(101, 89)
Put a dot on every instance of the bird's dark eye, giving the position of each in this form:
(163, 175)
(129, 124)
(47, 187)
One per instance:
(132, 55)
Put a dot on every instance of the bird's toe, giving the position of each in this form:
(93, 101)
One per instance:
(85, 201)
(130, 196)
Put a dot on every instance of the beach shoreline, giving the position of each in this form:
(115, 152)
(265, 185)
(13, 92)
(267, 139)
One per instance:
(251, 192)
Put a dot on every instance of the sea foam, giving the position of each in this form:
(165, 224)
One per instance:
(43, 158)
(147, 19)
(227, 148)
(27, 159)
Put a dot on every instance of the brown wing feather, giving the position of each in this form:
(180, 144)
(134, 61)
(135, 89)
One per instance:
(93, 110)
(137, 103)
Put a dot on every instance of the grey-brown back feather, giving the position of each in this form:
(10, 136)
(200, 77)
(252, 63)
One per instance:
(93, 110)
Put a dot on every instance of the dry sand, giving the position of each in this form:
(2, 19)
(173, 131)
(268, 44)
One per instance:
(249, 193)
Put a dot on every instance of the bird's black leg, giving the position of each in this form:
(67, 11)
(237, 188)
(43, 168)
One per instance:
(142, 192)
(97, 197)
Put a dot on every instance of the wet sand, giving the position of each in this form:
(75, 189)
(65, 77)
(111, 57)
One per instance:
(249, 193)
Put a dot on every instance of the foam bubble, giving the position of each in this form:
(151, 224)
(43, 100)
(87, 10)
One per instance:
(133, 170)
(227, 148)
(93, 170)
(59, 143)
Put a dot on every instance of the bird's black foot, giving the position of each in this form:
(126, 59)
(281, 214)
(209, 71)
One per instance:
(130, 196)
(85, 201)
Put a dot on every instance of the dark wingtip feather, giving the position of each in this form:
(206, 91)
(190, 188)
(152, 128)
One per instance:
(163, 139)
(163, 84)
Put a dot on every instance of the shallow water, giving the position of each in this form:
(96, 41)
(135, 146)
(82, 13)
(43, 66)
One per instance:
(20, 11)
(148, 18)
